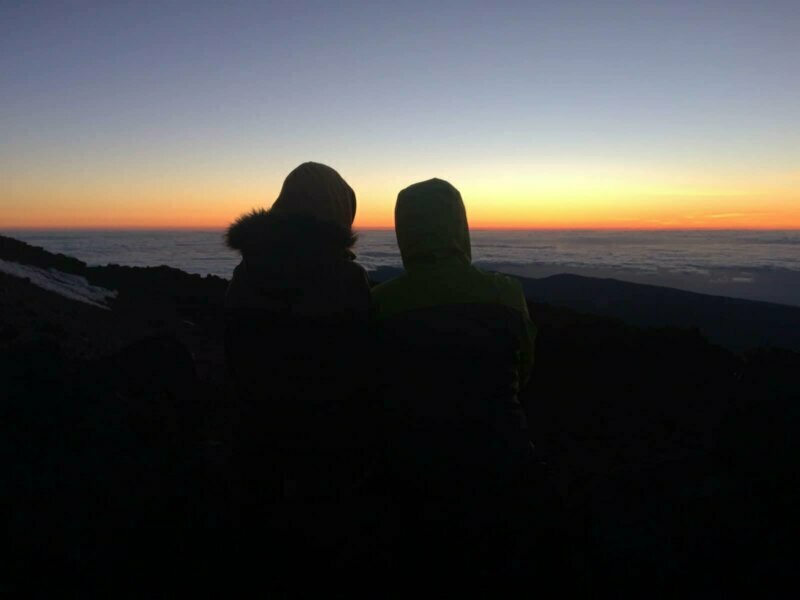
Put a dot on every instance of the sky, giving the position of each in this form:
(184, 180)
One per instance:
(596, 114)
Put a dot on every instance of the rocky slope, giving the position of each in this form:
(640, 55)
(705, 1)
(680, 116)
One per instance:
(669, 459)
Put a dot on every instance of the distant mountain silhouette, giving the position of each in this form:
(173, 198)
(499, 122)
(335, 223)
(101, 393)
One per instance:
(733, 323)
(21, 252)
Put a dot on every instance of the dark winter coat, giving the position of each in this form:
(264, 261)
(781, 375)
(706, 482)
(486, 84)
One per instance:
(297, 346)
(457, 346)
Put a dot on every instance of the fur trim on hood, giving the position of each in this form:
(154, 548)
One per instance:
(261, 232)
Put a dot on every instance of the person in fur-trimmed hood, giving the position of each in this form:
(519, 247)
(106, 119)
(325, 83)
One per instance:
(296, 341)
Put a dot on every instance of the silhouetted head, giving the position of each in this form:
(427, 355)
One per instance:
(317, 190)
(431, 223)
(312, 215)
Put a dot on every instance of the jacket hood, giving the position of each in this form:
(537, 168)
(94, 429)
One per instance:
(317, 190)
(263, 233)
(431, 223)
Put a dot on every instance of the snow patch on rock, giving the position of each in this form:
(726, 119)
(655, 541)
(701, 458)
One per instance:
(74, 287)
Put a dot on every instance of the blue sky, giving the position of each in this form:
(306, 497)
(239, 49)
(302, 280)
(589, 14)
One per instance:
(170, 95)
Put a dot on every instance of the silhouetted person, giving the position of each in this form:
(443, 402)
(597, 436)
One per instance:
(457, 347)
(297, 313)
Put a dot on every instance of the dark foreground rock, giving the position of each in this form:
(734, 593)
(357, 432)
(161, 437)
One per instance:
(666, 461)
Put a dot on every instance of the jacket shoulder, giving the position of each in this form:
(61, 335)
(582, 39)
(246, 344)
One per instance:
(463, 286)
(507, 290)
(341, 289)
(387, 288)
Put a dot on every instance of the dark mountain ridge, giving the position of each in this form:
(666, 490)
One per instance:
(734, 323)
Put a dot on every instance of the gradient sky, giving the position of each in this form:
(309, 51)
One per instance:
(543, 114)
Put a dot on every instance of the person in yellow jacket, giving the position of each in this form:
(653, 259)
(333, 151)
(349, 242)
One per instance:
(457, 346)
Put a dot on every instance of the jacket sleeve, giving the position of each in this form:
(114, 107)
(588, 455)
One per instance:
(513, 296)
(527, 346)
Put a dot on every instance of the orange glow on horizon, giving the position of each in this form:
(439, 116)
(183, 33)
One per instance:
(504, 198)
(479, 217)
(474, 223)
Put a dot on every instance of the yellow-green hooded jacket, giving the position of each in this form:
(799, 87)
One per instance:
(457, 345)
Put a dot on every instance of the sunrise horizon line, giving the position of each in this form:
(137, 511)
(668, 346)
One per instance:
(221, 228)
